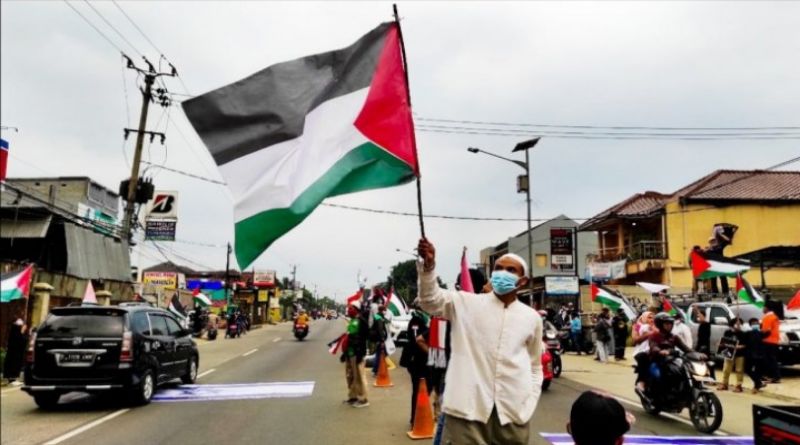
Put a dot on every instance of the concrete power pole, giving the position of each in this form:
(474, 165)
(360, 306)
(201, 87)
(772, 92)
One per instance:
(150, 76)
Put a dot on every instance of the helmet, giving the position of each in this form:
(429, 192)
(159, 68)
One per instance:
(663, 317)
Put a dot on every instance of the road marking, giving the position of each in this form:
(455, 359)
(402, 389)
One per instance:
(249, 352)
(86, 427)
(276, 340)
(668, 415)
(205, 373)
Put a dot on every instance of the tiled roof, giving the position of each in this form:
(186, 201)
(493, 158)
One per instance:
(721, 185)
(744, 185)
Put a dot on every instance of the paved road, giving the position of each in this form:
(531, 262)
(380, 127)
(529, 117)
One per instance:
(321, 418)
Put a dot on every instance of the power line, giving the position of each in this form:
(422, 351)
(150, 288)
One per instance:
(615, 133)
(102, 17)
(180, 172)
(602, 127)
(95, 28)
(137, 27)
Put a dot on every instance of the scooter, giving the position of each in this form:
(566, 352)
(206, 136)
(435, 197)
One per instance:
(554, 348)
(233, 330)
(678, 384)
(300, 331)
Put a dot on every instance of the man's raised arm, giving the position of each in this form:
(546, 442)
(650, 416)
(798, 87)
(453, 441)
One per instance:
(432, 298)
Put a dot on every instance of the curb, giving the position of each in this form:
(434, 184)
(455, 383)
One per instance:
(767, 394)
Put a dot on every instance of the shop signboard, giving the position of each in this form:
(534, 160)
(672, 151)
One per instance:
(561, 285)
(561, 248)
(264, 278)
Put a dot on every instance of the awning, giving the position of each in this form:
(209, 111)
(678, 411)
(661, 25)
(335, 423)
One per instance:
(25, 228)
(773, 256)
(94, 256)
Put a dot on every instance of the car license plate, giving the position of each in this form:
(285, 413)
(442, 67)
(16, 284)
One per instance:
(77, 357)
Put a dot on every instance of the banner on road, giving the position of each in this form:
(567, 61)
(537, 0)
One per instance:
(635, 439)
(235, 391)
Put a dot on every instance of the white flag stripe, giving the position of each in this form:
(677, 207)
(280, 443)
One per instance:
(271, 178)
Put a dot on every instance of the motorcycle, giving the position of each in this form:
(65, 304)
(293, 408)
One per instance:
(678, 384)
(300, 331)
(233, 330)
(553, 345)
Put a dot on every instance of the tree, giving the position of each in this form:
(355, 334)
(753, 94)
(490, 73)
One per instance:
(403, 277)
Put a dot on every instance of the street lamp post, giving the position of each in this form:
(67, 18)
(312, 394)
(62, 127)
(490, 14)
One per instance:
(523, 183)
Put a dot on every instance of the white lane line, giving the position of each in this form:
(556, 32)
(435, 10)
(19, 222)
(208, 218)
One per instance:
(249, 352)
(276, 340)
(205, 373)
(86, 427)
(668, 415)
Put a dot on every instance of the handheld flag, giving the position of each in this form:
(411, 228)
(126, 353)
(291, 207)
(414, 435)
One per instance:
(746, 293)
(668, 307)
(437, 356)
(465, 280)
(355, 298)
(200, 298)
(16, 285)
(176, 307)
(396, 305)
(794, 303)
(705, 266)
(607, 298)
(89, 297)
(339, 344)
(297, 132)
(653, 288)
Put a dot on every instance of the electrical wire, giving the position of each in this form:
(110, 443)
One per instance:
(102, 17)
(615, 133)
(102, 34)
(602, 127)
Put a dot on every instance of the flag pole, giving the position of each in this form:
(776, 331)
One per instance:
(413, 135)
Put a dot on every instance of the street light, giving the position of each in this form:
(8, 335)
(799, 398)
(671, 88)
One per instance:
(523, 184)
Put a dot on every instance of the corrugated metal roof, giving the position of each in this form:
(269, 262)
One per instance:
(91, 255)
(25, 228)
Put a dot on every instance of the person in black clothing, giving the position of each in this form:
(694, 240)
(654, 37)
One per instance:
(703, 333)
(415, 356)
(754, 354)
(15, 353)
(620, 325)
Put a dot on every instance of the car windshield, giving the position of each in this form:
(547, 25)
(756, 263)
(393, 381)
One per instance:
(108, 324)
(746, 311)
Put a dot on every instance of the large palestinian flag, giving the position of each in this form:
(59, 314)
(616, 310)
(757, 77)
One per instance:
(15, 285)
(607, 298)
(706, 265)
(295, 133)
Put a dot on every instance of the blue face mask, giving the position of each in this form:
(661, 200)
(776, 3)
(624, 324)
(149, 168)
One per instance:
(503, 282)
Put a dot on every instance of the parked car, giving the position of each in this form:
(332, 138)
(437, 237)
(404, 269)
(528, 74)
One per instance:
(129, 349)
(398, 328)
(719, 313)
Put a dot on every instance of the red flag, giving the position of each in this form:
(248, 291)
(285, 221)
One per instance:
(355, 298)
(594, 290)
(794, 303)
(466, 280)
(196, 291)
(699, 264)
(668, 307)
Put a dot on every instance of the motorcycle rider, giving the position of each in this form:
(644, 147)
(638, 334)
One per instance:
(663, 342)
(302, 319)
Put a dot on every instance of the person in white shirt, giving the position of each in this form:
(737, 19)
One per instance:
(494, 377)
(681, 330)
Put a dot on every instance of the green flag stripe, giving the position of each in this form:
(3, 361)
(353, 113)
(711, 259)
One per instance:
(11, 294)
(364, 168)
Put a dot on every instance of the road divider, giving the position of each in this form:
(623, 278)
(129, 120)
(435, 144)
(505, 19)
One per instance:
(205, 373)
(86, 427)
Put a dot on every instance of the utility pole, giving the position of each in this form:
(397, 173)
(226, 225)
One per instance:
(150, 76)
(228, 278)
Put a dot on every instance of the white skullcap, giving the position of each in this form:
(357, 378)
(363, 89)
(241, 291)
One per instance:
(518, 259)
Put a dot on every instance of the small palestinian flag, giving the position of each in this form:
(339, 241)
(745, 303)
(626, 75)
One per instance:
(705, 266)
(746, 293)
(338, 344)
(295, 133)
(176, 307)
(667, 307)
(396, 305)
(200, 299)
(355, 299)
(607, 298)
(16, 285)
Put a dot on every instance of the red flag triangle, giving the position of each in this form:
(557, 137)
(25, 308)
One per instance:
(594, 290)
(699, 264)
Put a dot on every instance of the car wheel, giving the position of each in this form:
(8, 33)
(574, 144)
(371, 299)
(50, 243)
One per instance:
(47, 400)
(191, 372)
(142, 393)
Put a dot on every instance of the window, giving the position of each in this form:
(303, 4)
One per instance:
(158, 324)
(96, 324)
(140, 324)
(541, 260)
(174, 327)
(717, 312)
(693, 315)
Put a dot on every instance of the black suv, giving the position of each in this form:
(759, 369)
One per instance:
(131, 348)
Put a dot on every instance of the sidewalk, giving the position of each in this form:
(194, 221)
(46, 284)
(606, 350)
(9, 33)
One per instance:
(618, 379)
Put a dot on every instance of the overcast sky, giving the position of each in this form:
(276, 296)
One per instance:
(665, 64)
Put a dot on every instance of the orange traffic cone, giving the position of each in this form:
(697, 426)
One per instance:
(423, 416)
(383, 379)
